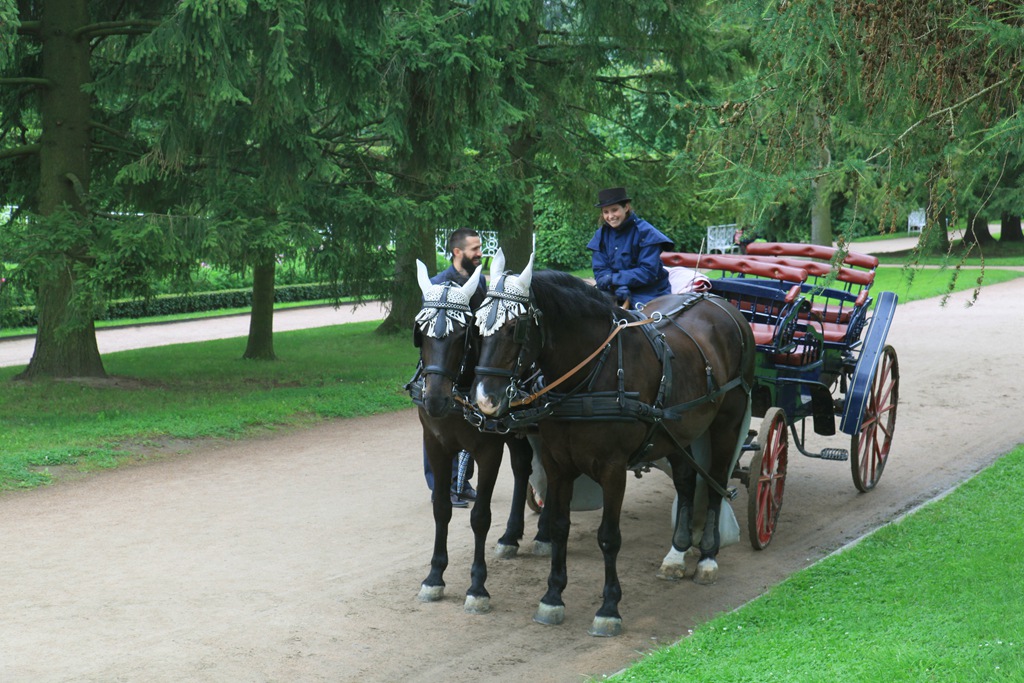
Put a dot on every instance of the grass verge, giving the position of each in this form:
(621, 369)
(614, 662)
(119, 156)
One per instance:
(933, 597)
(191, 391)
(917, 284)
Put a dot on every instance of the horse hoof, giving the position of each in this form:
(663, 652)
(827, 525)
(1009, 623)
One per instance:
(606, 627)
(673, 567)
(549, 615)
(707, 572)
(542, 549)
(477, 605)
(431, 593)
(671, 572)
(506, 552)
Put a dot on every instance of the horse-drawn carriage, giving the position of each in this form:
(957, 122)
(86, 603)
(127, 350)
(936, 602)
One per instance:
(776, 336)
(822, 355)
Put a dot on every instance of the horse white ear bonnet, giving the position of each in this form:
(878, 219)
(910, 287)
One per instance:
(445, 305)
(507, 298)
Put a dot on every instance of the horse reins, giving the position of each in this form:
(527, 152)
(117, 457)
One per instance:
(620, 325)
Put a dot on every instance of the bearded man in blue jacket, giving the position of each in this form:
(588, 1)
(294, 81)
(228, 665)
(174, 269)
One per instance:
(627, 252)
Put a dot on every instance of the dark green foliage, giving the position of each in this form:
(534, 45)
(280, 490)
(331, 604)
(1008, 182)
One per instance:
(886, 106)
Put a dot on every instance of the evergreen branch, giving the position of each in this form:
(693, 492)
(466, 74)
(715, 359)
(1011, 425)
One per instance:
(647, 75)
(23, 150)
(26, 80)
(120, 32)
(116, 150)
(113, 27)
(941, 112)
(623, 83)
(113, 131)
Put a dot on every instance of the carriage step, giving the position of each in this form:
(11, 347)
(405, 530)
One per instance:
(834, 454)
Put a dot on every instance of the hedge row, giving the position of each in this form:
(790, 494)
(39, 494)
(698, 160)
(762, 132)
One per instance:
(175, 304)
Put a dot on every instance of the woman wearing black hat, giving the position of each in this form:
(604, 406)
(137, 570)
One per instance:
(627, 251)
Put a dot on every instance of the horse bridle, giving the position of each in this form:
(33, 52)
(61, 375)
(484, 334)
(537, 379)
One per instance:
(528, 344)
(442, 306)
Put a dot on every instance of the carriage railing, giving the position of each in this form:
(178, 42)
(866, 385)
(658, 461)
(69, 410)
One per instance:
(828, 269)
(837, 290)
(814, 252)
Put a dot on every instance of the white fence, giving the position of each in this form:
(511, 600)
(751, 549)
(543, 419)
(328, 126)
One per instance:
(488, 239)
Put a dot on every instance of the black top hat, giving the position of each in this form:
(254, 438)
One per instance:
(613, 195)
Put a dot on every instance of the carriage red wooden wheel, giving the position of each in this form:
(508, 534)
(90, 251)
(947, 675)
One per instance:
(767, 478)
(869, 447)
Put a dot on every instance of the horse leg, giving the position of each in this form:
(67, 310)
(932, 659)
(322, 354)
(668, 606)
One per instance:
(607, 621)
(542, 541)
(432, 588)
(673, 567)
(488, 461)
(707, 566)
(723, 445)
(521, 456)
(551, 610)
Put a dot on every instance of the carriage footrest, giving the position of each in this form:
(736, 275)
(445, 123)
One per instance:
(834, 454)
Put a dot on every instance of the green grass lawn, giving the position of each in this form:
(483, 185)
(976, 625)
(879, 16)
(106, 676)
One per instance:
(934, 597)
(990, 254)
(192, 391)
(917, 284)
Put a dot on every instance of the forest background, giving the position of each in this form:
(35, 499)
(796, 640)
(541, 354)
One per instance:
(143, 144)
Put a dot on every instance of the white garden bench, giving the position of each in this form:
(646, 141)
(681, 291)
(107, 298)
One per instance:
(722, 238)
(916, 220)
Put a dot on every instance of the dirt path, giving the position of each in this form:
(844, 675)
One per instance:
(298, 557)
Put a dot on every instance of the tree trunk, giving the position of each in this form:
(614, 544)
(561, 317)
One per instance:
(821, 201)
(406, 297)
(821, 215)
(415, 239)
(977, 230)
(935, 233)
(260, 345)
(1009, 228)
(66, 336)
(516, 230)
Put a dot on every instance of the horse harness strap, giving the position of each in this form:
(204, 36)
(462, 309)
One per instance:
(619, 326)
(626, 406)
(674, 412)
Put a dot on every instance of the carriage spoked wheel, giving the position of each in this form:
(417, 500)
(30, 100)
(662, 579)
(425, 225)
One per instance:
(534, 499)
(767, 478)
(869, 447)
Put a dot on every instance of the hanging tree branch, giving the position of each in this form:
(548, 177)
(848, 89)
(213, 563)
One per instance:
(26, 80)
(21, 151)
(941, 112)
(104, 28)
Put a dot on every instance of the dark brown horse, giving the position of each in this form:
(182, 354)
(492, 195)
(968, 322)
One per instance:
(633, 388)
(448, 351)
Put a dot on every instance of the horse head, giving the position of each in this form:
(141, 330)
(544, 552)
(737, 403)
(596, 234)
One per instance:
(509, 325)
(443, 333)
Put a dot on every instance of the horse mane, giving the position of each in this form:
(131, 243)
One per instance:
(563, 297)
